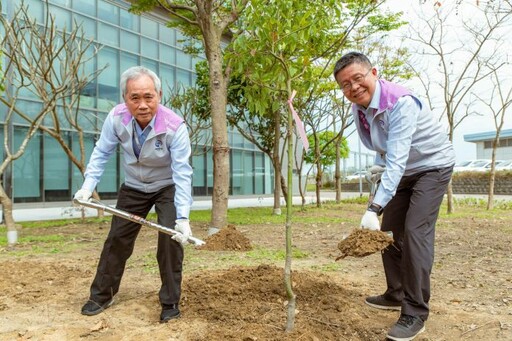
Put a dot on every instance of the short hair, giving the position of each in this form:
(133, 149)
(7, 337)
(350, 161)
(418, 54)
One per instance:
(351, 58)
(135, 72)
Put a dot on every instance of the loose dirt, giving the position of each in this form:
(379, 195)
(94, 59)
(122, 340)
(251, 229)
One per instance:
(363, 242)
(227, 239)
(240, 295)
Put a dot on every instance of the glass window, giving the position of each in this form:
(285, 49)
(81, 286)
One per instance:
(85, 6)
(62, 17)
(29, 108)
(150, 64)
(180, 39)
(108, 12)
(87, 120)
(248, 186)
(76, 177)
(108, 181)
(237, 172)
(55, 171)
(108, 80)
(129, 21)
(35, 9)
(167, 54)
(65, 3)
(167, 35)
(108, 35)
(88, 26)
(209, 172)
(183, 77)
(127, 61)
(149, 48)
(199, 178)
(167, 78)
(129, 41)
(149, 28)
(259, 173)
(26, 183)
(183, 60)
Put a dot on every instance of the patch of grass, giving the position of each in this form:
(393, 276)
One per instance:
(62, 222)
(329, 267)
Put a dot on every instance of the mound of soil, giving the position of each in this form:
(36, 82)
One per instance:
(227, 239)
(363, 242)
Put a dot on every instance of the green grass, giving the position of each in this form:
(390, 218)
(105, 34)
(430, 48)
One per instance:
(40, 243)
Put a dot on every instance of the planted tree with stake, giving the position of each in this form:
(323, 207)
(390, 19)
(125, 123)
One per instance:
(286, 45)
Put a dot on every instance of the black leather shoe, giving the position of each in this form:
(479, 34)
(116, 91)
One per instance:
(93, 308)
(169, 312)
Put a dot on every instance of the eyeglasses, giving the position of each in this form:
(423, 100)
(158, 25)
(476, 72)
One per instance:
(356, 80)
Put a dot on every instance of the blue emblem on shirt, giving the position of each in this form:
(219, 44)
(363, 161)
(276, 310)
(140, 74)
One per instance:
(158, 145)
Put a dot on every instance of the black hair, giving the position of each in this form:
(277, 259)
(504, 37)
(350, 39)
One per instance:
(351, 58)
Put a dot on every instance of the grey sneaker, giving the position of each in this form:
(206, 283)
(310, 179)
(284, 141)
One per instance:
(407, 328)
(380, 302)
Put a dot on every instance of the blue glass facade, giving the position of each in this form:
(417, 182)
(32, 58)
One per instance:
(45, 173)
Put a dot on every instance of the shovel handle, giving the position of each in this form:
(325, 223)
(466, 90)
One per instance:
(92, 203)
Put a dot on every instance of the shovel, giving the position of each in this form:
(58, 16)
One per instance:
(92, 203)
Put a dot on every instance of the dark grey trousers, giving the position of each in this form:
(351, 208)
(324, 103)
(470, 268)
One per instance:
(412, 216)
(120, 242)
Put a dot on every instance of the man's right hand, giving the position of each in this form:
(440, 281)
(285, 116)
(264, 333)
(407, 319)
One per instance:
(83, 195)
(370, 221)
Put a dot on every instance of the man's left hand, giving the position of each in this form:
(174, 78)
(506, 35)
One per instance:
(183, 227)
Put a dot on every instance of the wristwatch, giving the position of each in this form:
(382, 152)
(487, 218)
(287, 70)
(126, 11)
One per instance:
(375, 208)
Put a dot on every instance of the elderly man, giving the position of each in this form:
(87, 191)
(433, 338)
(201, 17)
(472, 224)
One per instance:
(418, 159)
(156, 151)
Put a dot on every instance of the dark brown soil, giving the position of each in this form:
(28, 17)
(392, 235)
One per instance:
(363, 242)
(237, 295)
(227, 239)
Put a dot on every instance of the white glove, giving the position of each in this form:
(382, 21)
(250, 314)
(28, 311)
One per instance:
(83, 195)
(370, 221)
(183, 227)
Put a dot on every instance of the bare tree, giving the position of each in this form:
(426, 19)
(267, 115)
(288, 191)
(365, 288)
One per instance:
(462, 47)
(498, 103)
(46, 64)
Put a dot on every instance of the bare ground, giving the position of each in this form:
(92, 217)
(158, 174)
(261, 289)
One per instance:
(239, 294)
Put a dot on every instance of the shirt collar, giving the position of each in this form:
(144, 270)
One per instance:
(138, 129)
(373, 107)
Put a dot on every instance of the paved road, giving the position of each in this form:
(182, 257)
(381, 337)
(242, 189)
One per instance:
(64, 210)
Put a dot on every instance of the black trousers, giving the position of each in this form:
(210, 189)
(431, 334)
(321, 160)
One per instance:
(120, 242)
(411, 215)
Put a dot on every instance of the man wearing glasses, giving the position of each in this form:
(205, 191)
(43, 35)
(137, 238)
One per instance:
(418, 158)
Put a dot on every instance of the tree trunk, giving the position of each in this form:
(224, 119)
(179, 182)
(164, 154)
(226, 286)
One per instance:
(337, 172)
(449, 195)
(218, 99)
(492, 177)
(277, 164)
(284, 188)
(12, 231)
(318, 186)
(290, 321)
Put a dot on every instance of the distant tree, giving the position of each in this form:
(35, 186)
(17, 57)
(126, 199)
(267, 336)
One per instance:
(465, 52)
(498, 104)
